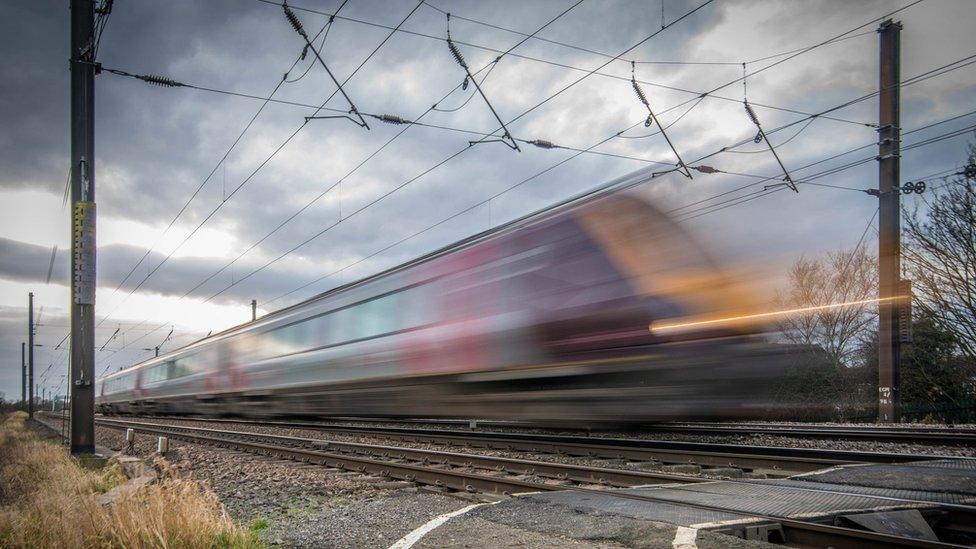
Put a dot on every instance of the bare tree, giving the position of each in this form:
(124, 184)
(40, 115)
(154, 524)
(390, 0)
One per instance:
(837, 278)
(940, 256)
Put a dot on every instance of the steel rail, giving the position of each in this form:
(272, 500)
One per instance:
(767, 458)
(798, 532)
(948, 436)
(556, 471)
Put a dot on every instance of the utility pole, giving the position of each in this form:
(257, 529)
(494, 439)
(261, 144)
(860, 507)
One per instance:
(30, 354)
(23, 372)
(889, 224)
(254, 310)
(82, 351)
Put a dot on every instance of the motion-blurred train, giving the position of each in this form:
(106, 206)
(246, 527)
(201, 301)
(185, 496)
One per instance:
(597, 310)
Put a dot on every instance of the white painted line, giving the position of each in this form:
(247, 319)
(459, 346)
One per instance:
(685, 538)
(407, 541)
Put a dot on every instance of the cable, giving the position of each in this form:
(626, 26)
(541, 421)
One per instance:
(830, 171)
(607, 75)
(262, 164)
(309, 45)
(455, 215)
(472, 94)
(780, 145)
(328, 26)
(933, 73)
(408, 124)
(439, 164)
(832, 157)
(450, 157)
(860, 241)
(673, 122)
(639, 62)
(206, 180)
(699, 99)
(358, 166)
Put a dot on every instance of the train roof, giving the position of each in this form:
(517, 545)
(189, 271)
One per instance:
(576, 201)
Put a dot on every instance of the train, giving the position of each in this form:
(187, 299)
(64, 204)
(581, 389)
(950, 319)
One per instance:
(549, 318)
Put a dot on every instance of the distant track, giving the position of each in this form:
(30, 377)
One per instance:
(947, 436)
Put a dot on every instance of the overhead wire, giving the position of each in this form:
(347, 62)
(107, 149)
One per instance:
(370, 156)
(699, 100)
(456, 154)
(200, 187)
(607, 75)
(832, 157)
(452, 156)
(806, 180)
(262, 164)
(408, 124)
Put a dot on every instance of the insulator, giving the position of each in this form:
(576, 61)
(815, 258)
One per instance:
(157, 80)
(751, 113)
(293, 19)
(543, 144)
(391, 119)
(457, 53)
(704, 169)
(640, 93)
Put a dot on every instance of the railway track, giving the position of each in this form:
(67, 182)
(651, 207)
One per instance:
(948, 436)
(506, 476)
(930, 436)
(767, 459)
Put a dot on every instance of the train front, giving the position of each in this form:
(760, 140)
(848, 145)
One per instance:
(622, 318)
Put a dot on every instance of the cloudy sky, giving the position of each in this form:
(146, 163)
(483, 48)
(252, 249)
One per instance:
(156, 146)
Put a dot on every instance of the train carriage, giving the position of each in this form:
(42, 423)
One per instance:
(545, 319)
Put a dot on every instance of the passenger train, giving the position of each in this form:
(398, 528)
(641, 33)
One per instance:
(547, 319)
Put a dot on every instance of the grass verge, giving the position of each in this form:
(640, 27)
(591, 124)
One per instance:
(47, 500)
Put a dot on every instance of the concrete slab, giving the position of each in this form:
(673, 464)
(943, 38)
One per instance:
(534, 523)
(949, 476)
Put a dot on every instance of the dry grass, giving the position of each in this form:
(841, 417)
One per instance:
(47, 500)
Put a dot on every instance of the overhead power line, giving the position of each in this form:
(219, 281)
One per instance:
(221, 162)
(637, 61)
(386, 118)
(441, 163)
(805, 180)
(843, 36)
(262, 164)
(454, 155)
(408, 125)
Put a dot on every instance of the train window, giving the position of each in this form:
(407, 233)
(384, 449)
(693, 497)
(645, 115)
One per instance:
(156, 373)
(377, 316)
(416, 307)
(178, 368)
(342, 326)
(293, 338)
